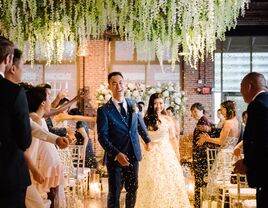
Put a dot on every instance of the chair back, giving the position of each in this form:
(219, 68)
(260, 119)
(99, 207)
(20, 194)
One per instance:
(78, 158)
(211, 155)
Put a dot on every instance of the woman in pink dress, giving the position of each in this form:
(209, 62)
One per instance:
(48, 160)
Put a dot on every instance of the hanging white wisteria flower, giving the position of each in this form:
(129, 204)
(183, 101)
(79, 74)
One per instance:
(171, 92)
(151, 26)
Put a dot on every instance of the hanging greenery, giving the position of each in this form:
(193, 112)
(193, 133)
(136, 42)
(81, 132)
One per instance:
(193, 25)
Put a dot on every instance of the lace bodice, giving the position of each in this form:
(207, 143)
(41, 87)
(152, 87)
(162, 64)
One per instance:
(162, 134)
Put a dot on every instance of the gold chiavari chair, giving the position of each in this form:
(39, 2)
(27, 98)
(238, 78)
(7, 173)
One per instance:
(241, 193)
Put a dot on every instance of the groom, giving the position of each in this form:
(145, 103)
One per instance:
(118, 124)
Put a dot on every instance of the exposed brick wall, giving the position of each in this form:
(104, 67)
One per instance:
(95, 74)
(95, 69)
(191, 77)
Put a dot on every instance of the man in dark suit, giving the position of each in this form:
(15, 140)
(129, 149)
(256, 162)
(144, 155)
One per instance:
(118, 124)
(255, 138)
(15, 135)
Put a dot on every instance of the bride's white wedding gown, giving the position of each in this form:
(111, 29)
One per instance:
(161, 180)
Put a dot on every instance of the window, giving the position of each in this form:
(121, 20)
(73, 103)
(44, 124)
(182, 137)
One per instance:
(59, 76)
(126, 59)
(234, 58)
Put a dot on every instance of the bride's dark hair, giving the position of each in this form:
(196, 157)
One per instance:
(151, 119)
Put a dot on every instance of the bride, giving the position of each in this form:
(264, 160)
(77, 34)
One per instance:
(161, 180)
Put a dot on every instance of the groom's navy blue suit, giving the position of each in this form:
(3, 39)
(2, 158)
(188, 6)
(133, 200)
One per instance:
(118, 134)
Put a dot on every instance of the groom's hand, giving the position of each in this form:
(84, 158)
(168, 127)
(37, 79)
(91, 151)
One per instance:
(122, 159)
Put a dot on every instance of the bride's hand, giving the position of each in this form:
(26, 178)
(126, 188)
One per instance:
(147, 147)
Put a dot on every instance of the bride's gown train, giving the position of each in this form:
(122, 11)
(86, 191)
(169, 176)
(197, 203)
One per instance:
(161, 180)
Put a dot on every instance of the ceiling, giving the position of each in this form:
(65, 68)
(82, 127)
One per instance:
(243, 44)
(256, 14)
(255, 21)
(251, 32)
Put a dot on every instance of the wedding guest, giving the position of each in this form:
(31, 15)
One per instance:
(228, 139)
(239, 147)
(60, 131)
(171, 112)
(81, 133)
(33, 197)
(82, 138)
(221, 119)
(119, 127)
(49, 162)
(55, 111)
(255, 139)
(15, 134)
(200, 167)
(244, 118)
(141, 106)
(14, 74)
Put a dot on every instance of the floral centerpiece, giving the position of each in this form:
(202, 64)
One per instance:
(171, 92)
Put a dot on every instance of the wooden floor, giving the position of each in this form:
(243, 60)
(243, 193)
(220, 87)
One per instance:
(102, 201)
(96, 203)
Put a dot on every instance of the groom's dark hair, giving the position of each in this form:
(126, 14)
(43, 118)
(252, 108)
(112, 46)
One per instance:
(112, 74)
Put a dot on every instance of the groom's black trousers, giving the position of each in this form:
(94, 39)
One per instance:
(118, 177)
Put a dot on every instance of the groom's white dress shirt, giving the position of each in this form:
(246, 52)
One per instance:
(116, 103)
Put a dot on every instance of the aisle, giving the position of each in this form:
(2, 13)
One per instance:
(102, 202)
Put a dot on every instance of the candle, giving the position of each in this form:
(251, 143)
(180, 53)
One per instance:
(94, 190)
(190, 187)
(213, 204)
(205, 204)
(209, 204)
(79, 203)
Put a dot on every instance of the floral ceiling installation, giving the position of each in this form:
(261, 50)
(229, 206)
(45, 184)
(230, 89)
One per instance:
(192, 25)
